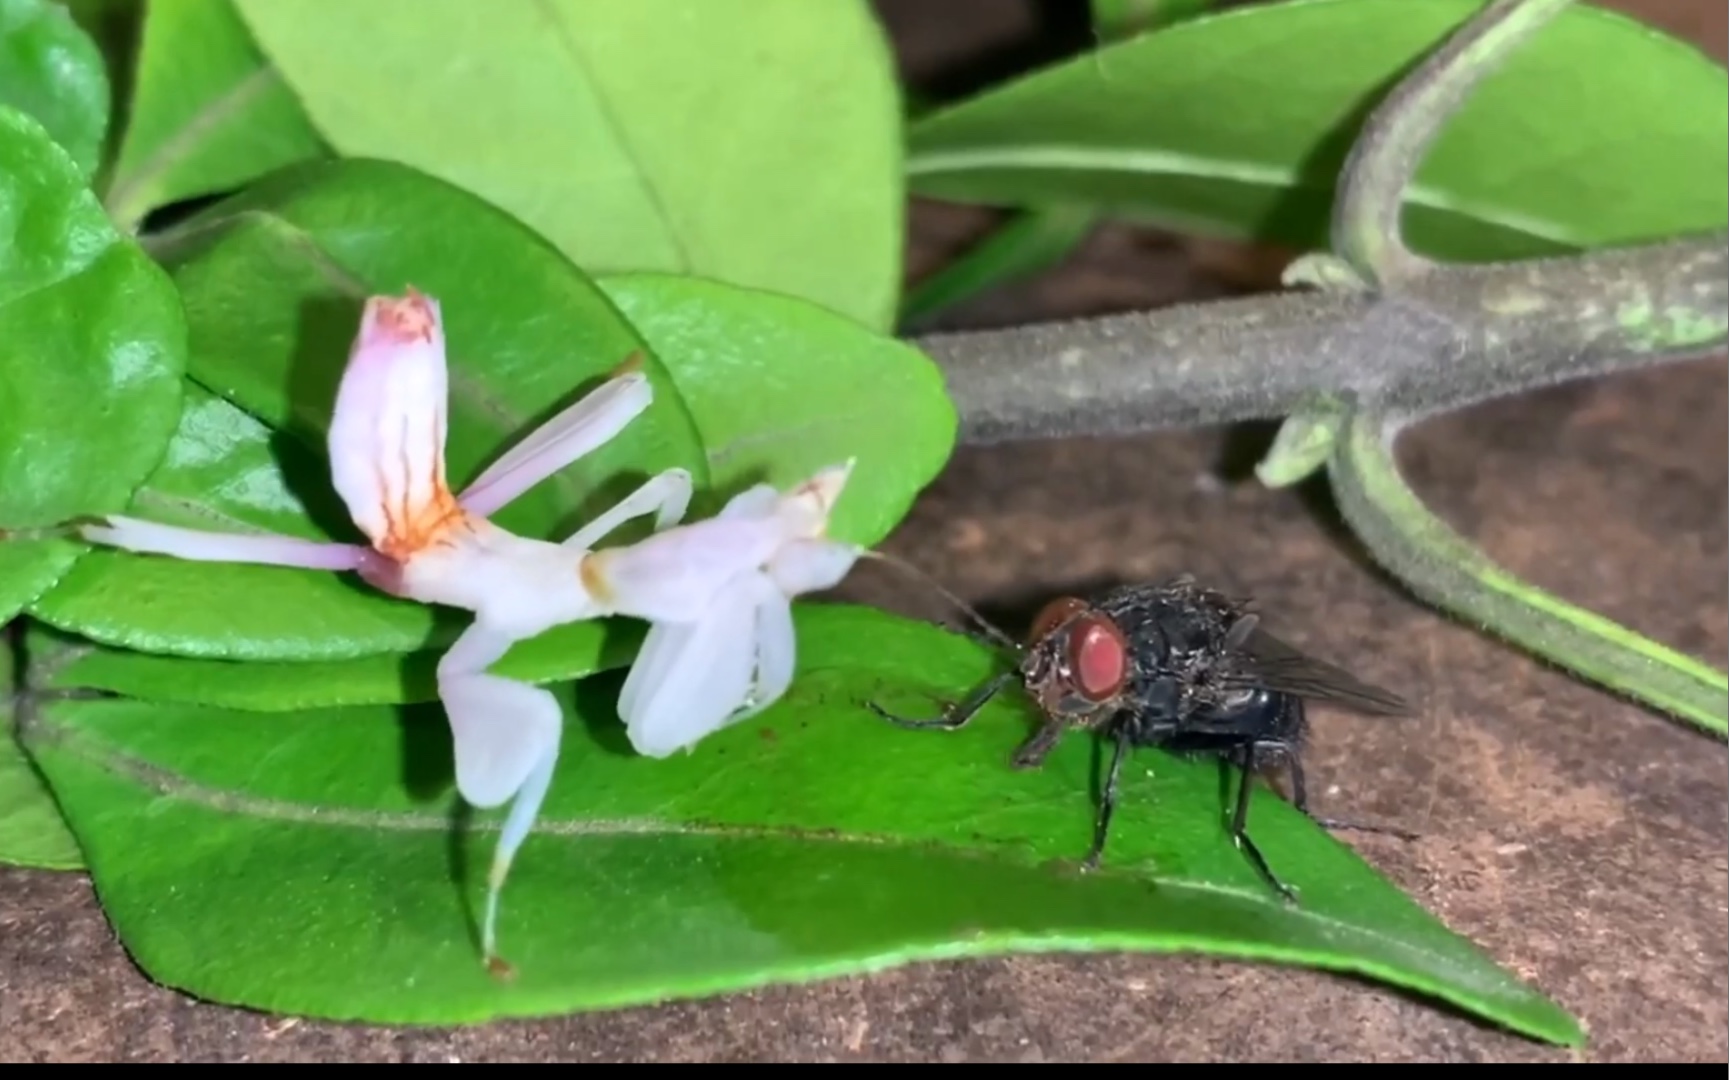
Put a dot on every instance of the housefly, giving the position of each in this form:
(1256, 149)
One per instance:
(1175, 666)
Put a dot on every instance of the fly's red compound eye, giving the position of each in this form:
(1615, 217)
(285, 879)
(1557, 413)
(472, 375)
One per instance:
(1053, 615)
(1098, 657)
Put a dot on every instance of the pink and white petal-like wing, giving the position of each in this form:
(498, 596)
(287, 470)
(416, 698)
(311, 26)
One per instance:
(776, 653)
(583, 427)
(660, 651)
(754, 502)
(807, 566)
(387, 431)
(692, 679)
(673, 576)
(199, 545)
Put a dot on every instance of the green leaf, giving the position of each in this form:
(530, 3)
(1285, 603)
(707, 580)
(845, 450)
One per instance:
(753, 141)
(1125, 18)
(780, 388)
(273, 281)
(564, 653)
(1238, 124)
(92, 345)
(303, 862)
(208, 115)
(29, 568)
(52, 71)
(112, 26)
(31, 831)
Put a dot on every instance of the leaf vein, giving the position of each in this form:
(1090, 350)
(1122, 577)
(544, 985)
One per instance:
(175, 149)
(650, 190)
(1173, 163)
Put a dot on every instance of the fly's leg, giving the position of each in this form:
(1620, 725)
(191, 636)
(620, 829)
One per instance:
(1300, 799)
(954, 717)
(1032, 753)
(1240, 825)
(1107, 803)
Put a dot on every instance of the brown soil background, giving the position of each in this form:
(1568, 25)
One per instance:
(1579, 839)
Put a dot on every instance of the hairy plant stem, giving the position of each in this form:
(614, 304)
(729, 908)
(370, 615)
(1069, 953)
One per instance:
(1486, 331)
(1441, 567)
(1387, 340)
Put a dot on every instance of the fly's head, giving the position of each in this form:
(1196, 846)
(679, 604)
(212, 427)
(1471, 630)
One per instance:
(1076, 663)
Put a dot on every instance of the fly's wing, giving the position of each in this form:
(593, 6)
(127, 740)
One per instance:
(1262, 660)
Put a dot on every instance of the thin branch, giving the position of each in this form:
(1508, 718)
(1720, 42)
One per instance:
(1367, 232)
(1458, 336)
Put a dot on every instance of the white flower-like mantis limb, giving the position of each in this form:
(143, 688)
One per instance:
(718, 595)
(386, 446)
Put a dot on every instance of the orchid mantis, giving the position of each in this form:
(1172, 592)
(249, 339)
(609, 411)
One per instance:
(717, 592)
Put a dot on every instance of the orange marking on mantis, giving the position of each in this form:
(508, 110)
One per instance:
(631, 363)
(415, 528)
(408, 318)
(593, 577)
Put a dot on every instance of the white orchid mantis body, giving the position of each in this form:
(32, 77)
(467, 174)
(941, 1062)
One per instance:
(386, 445)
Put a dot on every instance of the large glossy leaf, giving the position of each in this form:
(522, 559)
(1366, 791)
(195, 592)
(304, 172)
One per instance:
(752, 141)
(31, 831)
(304, 862)
(208, 112)
(92, 346)
(52, 71)
(780, 388)
(1597, 131)
(1123, 18)
(273, 282)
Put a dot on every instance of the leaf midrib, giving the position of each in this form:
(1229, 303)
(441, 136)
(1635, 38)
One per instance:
(1076, 158)
(178, 147)
(646, 183)
(169, 784)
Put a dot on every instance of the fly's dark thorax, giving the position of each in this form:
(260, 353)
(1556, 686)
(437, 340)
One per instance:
(1176, 633)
